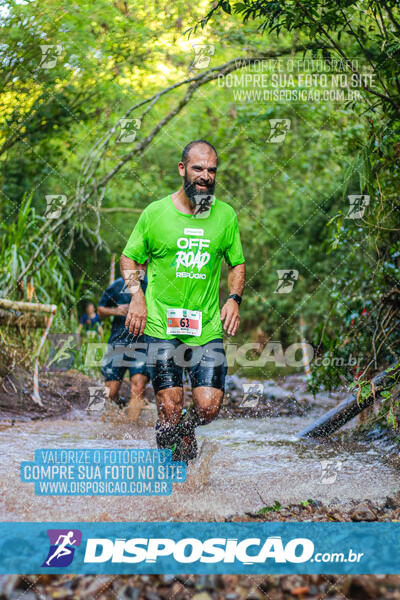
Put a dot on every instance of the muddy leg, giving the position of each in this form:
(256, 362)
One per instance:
(136, 401)
(169, 409)
(207, 403)
(114, 387)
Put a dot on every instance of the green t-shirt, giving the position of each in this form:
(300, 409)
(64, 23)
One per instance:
(185, 255)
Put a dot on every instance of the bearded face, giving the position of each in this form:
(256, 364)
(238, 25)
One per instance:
(199, 192)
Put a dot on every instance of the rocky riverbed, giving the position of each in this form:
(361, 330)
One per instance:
(200, 587)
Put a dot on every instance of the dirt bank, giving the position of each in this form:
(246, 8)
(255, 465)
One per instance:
(65, 390)
(60, 392)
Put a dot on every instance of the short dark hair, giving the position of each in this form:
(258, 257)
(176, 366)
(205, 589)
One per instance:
(189, 146)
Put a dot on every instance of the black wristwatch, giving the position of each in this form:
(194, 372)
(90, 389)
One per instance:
(236, 298)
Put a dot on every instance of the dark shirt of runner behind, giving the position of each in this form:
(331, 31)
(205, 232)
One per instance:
(115, 295)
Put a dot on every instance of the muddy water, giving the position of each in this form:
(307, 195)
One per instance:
(244, 464)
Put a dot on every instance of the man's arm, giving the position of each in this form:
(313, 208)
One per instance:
(107, 305)
(131, 272)
(105, 311)
(230, 310)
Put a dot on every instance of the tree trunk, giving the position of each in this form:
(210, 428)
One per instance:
(26, 306)
(349, 408)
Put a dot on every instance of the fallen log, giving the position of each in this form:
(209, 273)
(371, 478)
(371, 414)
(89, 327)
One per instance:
(33, 307)
(349, 408)
(26, 320)
(25, 306)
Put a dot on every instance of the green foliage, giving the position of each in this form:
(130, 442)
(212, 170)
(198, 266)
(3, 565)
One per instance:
(291, 198)
(274, 508)
(362, 309)
(50, 280)
(53, 281)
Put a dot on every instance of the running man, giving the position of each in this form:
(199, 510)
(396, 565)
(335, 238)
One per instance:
(185, 236)
(288, 279)
(115, 302)
(62, 550)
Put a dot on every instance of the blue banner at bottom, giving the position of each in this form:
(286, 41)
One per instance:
(207, 548)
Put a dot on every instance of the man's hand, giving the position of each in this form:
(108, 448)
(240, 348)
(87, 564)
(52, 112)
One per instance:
(230, 313)
(137, 314)
(121, 310)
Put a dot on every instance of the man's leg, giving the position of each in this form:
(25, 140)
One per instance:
(169, 409)
(136, 401)
(113, 373)
(207, 403)
(169, 405)
(166, 377)
(207, 374)
(114, 387)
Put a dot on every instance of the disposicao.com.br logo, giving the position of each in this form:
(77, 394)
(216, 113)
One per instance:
(62, 547)
(213, 550)
(187, 550)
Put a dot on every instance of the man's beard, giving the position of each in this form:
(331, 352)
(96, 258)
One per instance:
(198, 197)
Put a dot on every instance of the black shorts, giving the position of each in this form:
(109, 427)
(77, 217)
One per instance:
(166, 359)
(120, 357)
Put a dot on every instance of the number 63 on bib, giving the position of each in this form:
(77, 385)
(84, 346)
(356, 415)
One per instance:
(181, 321)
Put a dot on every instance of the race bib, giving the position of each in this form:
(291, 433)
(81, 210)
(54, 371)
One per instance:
(181, 321)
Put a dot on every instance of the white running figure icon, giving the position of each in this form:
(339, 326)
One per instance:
(62, 550)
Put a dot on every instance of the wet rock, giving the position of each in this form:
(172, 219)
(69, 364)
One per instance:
(164, 592)
(207, 582)
(202, 596)
(175, 589)
(313, 591)
(8, 583)
(229, 581)
(28, 595)
(255, 594)
(151, 596)
(168, 579)
(395, 515)
(363, 512)
(127, 592)
(393, 501)
(99, 584)
(275, 392)
(362, 587)
(290, 582)
(242, 518)
(233, 382)
(186, 580)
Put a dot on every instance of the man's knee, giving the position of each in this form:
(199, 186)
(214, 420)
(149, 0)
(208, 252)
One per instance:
(138, 384)
(114, 387)
(208, 413)
(169, 403)
(207, 402)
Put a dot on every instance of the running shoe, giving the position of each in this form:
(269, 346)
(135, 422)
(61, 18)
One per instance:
(188, 449)
(186, 430)
(121, 402)
(182, 439)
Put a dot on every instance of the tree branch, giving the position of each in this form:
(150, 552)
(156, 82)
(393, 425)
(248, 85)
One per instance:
(195, 83)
